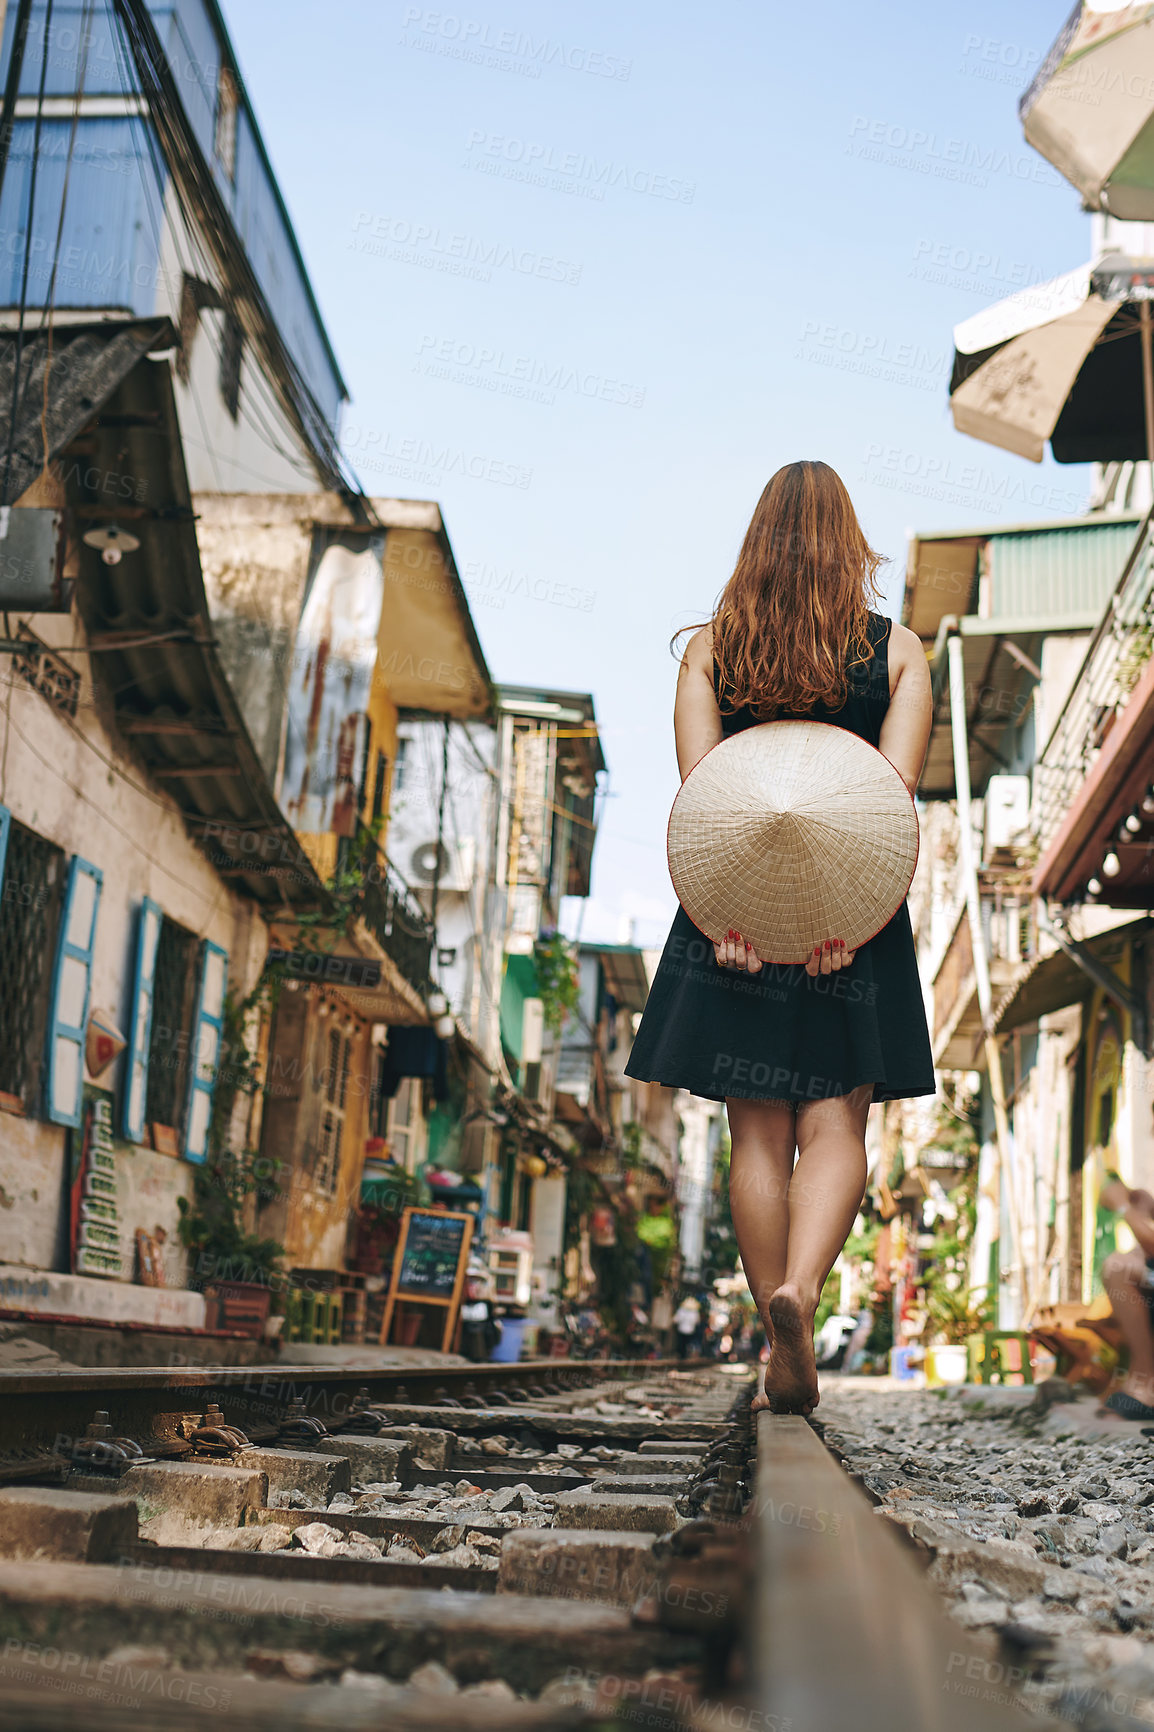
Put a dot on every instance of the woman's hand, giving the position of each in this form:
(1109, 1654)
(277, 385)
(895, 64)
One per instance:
(734, 951)
(829, 957)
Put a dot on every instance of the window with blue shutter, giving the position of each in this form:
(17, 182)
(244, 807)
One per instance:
(71, 986)
(206, 1041)
(133, 1117)
(5, 826)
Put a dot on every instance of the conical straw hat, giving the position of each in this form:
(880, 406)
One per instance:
(791, 833)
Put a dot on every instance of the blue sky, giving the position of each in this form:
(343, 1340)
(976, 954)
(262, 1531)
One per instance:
(593, 273)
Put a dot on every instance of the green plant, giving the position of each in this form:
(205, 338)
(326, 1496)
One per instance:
(659, 1232)
(950, 1300)
(346, 891)
(956, 1314)
(211, 1225)
(555, 960)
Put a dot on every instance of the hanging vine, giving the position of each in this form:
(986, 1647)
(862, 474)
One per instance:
(558, 978)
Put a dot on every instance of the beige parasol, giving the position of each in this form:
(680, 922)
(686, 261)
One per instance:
(792, 833)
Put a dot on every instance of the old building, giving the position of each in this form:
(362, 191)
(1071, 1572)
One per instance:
(1029, 904)
(160, 336)
(335, 620)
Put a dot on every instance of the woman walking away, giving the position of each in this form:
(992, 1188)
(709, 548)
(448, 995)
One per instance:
(797, 1052)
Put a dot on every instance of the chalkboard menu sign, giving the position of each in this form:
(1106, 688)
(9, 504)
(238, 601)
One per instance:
(429, 1265)
(432, 1252)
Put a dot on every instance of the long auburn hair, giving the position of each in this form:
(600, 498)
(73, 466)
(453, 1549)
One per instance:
(792, 620)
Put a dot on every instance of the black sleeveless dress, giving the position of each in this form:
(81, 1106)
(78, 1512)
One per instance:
(784, 1034)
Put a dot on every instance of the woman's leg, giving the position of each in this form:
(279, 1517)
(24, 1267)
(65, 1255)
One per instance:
(824, 1196)
(763, 1139)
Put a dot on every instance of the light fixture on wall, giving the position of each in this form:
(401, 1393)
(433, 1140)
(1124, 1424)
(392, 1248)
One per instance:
(112, 541)
(444, 1026)
(1130, 826)
(438, 1004)
(1094, 887)
(1111, 865)
(1147, 807)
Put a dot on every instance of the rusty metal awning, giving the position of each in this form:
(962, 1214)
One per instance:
(116, 438)
(82, 367)
(1055, 981)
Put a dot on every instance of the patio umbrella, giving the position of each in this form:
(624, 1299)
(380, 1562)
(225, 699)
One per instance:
(1090, 110)
(1068, 362)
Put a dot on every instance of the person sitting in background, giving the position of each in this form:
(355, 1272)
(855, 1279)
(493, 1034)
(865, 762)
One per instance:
(686, 1320)
(1129, 1281)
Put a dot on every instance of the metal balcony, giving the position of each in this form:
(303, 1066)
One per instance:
(394, 917)
(1116, 664)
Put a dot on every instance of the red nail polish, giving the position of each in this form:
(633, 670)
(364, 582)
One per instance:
(828, 945)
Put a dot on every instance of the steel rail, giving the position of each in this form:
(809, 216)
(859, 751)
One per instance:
(846, 1629)
(149, 1403)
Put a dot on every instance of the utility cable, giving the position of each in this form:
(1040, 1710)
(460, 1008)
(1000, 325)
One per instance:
(12, 84)
(18, 355)
(50, 298)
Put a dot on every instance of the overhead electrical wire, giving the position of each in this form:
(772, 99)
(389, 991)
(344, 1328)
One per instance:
(192, 175)
(46, 319)
(18, 356)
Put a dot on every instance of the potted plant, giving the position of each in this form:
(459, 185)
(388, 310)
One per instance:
(238, 1270)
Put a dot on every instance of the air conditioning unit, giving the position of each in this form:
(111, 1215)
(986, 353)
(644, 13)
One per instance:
(450, 863)
(1007, 813)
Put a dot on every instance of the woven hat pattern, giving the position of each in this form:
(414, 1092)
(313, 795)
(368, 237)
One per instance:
(792, 833)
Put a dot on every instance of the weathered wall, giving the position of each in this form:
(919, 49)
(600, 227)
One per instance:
(310, 1222)
(73, 783)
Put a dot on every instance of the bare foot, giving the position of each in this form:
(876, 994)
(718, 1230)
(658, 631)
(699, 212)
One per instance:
(791, 1376)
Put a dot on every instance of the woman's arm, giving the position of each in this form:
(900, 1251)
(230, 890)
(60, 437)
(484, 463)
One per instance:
(696, 717)
(905, 731)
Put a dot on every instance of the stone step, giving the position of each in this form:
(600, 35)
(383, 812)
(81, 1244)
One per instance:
(598, 1429)
(297, 1565)
(635, 1485)
(318, 1475)
(608, 1568)
(647, 1465)
(177, 1499)
(119, 1694)
(637, 1514)
(221, 1620)
(70, 1526)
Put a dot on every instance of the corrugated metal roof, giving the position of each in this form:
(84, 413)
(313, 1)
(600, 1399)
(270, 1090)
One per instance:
(1057, 571)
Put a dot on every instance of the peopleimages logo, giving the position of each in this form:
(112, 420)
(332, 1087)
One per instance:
(529, 159)
(471, 39)
(490, 369)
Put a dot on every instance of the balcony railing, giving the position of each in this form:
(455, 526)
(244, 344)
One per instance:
(1011, 945)
(394, 916)
(1114, 662)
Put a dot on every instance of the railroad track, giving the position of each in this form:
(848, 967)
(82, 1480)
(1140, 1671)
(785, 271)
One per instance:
(541, 1545)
